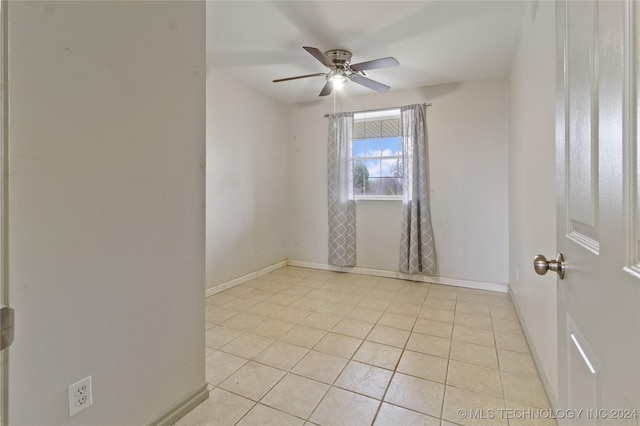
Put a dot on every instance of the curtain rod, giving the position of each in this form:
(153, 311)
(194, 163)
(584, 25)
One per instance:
(381, 109)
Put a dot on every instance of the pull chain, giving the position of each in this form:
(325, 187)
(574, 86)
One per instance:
(335, 97)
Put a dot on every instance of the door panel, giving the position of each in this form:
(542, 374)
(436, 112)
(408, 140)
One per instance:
(584, 367)
(597, 217)
(582, 182)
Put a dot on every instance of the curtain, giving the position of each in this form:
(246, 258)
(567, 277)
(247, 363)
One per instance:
(342, 207)
(417, 253)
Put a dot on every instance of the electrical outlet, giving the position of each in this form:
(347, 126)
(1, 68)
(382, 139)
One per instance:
(80, 396)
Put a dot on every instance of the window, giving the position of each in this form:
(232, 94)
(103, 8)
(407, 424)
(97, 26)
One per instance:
(377, 154)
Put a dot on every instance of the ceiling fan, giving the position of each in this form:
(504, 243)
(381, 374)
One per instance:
(341, 70)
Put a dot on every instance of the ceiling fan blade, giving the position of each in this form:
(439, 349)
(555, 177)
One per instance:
(326, 90)
(375, 64)
(371, 84)
(319, 56)
(300, 76)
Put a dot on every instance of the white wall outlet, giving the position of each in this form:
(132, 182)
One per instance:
(80, 396)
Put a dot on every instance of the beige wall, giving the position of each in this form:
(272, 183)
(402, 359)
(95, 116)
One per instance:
(468, 168)
(532, 220)
(106, 243)
(246, 180)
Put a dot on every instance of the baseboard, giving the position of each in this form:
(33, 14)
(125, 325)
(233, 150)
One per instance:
(503, 288)
(255, 274)
(551, 396)
(182, 408)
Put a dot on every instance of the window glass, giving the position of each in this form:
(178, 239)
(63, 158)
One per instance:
(358, 148)
(377, 154)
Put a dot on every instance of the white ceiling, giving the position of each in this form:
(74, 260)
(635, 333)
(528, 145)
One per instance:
(435, 42)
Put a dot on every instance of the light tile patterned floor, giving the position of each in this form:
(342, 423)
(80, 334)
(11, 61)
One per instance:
(301, 346)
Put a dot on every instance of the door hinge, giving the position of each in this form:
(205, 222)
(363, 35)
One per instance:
(6, 327)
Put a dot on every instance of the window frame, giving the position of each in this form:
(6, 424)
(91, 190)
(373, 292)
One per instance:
(378, 115)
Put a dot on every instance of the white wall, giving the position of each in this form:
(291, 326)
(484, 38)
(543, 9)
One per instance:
(246, 179)
(532, 184)
(106, 244)
(468, 155)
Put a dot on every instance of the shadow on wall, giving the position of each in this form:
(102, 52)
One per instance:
(434, 92)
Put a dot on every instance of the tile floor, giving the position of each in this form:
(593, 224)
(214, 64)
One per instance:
(301, 346)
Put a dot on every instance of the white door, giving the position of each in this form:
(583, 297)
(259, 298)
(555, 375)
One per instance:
(598, 213)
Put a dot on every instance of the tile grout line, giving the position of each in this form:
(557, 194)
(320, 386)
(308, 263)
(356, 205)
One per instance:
(397, 364)
(342, 316)
(446, 377)
(345, 366)
(291, 372)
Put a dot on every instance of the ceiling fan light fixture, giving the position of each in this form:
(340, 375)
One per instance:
(341, 70)
(339, 81)
(338, 78)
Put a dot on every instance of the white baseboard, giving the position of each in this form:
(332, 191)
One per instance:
(182, 408)
(503, 288)
(255, 274)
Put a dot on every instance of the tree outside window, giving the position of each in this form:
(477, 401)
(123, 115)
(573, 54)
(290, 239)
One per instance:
(377, 154)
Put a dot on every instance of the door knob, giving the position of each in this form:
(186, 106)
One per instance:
(541, 265)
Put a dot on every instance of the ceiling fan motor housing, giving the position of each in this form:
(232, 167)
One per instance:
(339, 57)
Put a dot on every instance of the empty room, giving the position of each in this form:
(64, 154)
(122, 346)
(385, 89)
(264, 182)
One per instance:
(320, 212)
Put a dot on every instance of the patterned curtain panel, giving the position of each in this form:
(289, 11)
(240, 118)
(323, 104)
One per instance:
(342, 207)
(417, 253)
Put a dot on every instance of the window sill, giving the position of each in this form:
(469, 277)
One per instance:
(378, 198)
